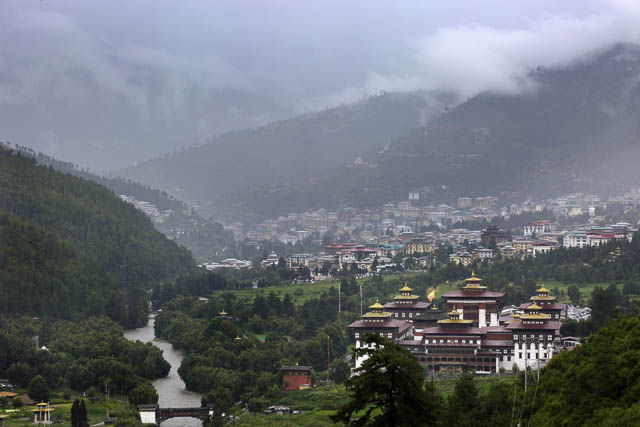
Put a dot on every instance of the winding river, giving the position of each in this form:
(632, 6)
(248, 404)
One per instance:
(171, 389)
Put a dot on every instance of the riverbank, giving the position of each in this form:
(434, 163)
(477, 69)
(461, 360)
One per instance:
(171, 390)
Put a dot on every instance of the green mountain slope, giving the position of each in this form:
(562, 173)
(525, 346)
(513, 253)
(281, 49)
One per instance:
(71, 246)
(205, 239)
(596, 384)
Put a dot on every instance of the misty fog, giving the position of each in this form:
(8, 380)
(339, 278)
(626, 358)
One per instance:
(108, 83)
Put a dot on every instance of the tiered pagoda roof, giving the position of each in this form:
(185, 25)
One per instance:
(377, 312)
(546, 301)
(406, 300)
(378, 318)
(454, 318)
(473, 289)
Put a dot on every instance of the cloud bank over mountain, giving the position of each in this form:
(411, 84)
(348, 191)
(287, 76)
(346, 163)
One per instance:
(106, 83)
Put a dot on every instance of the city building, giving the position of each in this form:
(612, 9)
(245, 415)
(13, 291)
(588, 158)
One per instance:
(538, 227)
(493, 233)
(418, 246)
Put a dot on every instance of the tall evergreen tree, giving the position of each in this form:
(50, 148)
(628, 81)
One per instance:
(463, 404)
(388, 389)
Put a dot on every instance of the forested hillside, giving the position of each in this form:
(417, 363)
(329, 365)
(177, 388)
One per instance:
(205, 239)
(596, 384)
(71, 248)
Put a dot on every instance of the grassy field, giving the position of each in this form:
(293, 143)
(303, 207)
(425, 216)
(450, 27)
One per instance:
(585, 289)
(318, 404)
(302, 292)
(95, 412)
(483, 383)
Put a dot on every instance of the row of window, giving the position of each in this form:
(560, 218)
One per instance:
(451, 341)
(534, 355)
(532, 336)
(389, 335)
(403, 315)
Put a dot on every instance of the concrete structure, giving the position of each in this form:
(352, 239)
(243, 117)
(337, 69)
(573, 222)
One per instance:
(153, 414)
(548, 304)
(539, 227)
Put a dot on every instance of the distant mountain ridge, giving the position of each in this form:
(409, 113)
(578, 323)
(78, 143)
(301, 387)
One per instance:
(289, 151)
(576, 131)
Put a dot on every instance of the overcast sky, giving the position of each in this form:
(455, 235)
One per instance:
(105, 83)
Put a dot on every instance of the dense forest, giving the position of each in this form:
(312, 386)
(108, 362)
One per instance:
(78, 356)
(72, 249)
(205, 239)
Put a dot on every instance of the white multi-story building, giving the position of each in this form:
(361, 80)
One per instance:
(575, 239)
(533, 337)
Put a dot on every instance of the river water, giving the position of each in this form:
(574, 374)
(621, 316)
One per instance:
(171, 390)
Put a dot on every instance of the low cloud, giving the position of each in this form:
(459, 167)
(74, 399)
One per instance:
(77, 76)
(468, 59)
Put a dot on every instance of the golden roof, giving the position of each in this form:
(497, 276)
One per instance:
(541, 298)
(377, 314)
(377, 305)
(536, 316)
(455, 321)
(406, 297)
(454, 313)
(223, 313)
(542, 289)
(533, 306)
(237, 338)
(405, 288)
(473, 278)
(42, 404)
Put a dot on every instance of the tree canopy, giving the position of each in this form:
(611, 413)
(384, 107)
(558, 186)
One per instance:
(387, 390)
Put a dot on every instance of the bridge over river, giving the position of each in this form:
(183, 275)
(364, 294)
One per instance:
(154, 414)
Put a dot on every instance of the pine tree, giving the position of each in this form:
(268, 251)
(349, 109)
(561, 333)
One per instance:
(388, 389)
